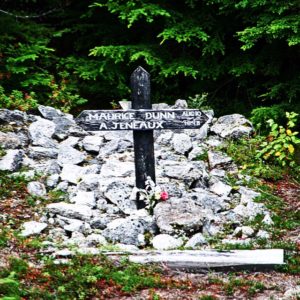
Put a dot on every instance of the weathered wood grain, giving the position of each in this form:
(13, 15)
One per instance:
(142, 119)
(143, 140)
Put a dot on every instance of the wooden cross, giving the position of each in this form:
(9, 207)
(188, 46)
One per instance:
(142, 120)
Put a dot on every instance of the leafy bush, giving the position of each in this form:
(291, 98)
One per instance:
(280, 143)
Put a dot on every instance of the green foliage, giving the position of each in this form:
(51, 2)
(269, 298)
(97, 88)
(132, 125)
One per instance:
(238, 52)
(199, 102)
(281, 142)
(17, 100)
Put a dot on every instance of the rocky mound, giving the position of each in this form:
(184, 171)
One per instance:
(96, 172)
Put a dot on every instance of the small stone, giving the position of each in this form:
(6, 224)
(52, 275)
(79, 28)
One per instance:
(41, 133)
(96, 240)
(195, 241)
(42, 152)
(182, 143)
(92, 143)
(52, 180)
(49, 112)
(180, 104)
(232, 126)
(217, 159)
(115, 168)
(12, 160)
(166, 242)
(71, 173)
(33, 228)
(36, 188)
(267, 220)
(9, 140)
(74, 225)
(220, 189)
(84, 198)
(243, 232)
(69, 155)
(262, 234)
(81, 212)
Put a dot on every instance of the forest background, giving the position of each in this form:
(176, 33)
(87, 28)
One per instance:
(232, 56)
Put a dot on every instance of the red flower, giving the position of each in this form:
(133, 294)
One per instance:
(164, 196)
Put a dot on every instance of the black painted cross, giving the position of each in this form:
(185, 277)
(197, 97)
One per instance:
(142, 120)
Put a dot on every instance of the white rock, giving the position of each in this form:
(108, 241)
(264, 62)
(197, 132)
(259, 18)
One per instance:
(129, 248)
(218, 159)
(220, 188)
(267, 220)
(262, 234)
(115, 168)
(233, 126)
(36, 188)
(96, 240)
(165, 138)
(12, 160)
(119, 192)
(92, 143)
(52, 180)
(69, 155)
(182, 143)
(75, 211)
(41, 133)
(243, 232)
(84, 198)
(166, 242)
(71, 173)
(74, 225)
(33, 228)
(195, 241)
(247, 195)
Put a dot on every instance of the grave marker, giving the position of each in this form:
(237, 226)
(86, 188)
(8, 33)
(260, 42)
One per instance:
(142, 120)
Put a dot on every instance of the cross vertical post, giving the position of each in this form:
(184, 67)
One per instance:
(143, 140)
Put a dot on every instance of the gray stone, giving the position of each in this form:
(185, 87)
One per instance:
(39, 153)
(115, 168)
(114, 146)
(214, 141)
(232, 126)
(180, 104)
(182, 143)
(165, 138)
(36, 188)
(69, 155)
(41, 133)
(243, 232)
(101, 221)
(84, 198)
(119, 193)
(74, 225)
(92, 143)
(262, 234)
(208, 200)
(178, 214)
(159, 106)
(166, 242)
(81, 212)
(32, 228)
(218, 159)
(89, 182)
(292, 293)
(186, 172)
(66, 127)
(15, 116)
(9, 140)
(129, 230)
(12, 160)
(196, 241)
(220, 188)
(218, 173)
(197, 152)
(96, 240)
(267, 220)
(247, 195)
(49, 112)
(71, 141)
(71, 173)
(52, 180)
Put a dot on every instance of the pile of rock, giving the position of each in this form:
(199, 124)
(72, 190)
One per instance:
(96, 172)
